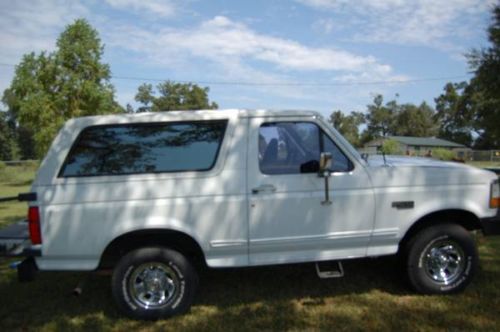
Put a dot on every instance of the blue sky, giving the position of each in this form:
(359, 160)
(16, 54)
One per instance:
(298, 54)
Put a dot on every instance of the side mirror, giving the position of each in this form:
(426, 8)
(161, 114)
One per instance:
(325, 163)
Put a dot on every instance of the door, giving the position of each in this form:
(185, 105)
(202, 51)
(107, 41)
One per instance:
(287, 220)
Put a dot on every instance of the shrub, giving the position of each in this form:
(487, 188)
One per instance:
(443, 154)
(30, 165)
(391, 146)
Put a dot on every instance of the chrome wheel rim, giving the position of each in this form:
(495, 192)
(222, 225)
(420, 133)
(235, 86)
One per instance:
(444, 262)
(153, 285)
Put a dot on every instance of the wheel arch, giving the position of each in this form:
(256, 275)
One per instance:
(169, 238)
(464, 218)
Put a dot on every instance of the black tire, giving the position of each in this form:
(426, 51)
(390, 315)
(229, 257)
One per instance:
(153, 283)
(441, 259)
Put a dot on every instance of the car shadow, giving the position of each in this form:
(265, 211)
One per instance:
(274, 297)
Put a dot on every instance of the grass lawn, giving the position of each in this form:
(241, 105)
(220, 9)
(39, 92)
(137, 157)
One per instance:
(485, 164)
(14, 180)
(372, 295)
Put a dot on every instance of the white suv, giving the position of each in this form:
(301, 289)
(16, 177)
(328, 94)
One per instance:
(155, 196)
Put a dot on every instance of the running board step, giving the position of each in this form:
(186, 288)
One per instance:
(329, 269)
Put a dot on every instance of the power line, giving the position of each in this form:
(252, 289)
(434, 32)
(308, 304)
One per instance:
(249, 83)
(338, 83)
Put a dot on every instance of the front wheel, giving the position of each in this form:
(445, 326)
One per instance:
(441, 259)
(153, 283)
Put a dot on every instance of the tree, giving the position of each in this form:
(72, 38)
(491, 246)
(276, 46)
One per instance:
(145, 96)
(380, 118)
(411, 120)
(484, 88)
(454, 114)
(348, 125)
(129, 109)
(173, 96)
(50, 88)
(7, 138)
(398, 119)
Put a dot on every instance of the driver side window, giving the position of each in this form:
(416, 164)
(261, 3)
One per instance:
(295, 147)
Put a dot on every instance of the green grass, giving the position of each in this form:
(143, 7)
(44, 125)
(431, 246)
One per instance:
(372, 296)
(484, 164)
(14, 180)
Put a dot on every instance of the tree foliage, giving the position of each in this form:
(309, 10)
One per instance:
(348, 125)
(8, 147)
(455, 114)
(49, 88)
(394, 119)
(380, 118)
(412, 120)
(483, 92)
(170, 96)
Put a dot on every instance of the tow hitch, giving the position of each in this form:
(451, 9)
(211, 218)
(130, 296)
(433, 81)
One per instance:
(22, 197)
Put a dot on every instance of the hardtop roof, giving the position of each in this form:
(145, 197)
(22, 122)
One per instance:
(190, 115)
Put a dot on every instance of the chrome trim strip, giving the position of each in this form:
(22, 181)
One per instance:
(330, 236)
(228, 243)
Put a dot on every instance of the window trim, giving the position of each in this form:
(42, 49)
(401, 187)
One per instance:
(349, 161)
(322, 133)
(143, 124)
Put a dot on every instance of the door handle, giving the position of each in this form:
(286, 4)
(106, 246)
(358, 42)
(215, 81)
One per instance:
(264, 188)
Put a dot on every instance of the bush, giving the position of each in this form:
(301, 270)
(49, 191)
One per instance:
(391, 146)
(30, 165)
(443, 154)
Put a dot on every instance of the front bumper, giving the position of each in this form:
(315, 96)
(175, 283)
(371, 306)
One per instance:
(491, 226)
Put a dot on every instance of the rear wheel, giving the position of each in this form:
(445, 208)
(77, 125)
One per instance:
(153, 283)
(441, 259)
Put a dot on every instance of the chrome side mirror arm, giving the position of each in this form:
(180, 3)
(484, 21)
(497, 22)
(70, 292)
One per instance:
(325, 164)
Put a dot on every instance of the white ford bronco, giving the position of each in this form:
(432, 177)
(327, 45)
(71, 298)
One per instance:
(156, 196)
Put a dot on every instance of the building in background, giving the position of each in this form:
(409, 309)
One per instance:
(418, 146)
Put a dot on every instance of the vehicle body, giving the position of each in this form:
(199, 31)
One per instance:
(239, 188)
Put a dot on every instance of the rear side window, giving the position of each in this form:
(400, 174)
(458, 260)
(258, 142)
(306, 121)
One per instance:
(145, 148)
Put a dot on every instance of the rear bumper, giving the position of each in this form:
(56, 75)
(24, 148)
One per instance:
(15, 241)
(491, 226)
(32, 252)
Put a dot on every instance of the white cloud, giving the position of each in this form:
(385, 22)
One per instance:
(339, 4)
(27, 26)
(432, 23)
(162, 8)
(224, 50)
(221, 40)
(324, 25)
(32, 26)
(217, 49)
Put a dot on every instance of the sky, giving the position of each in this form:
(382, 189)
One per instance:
(321, 55)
